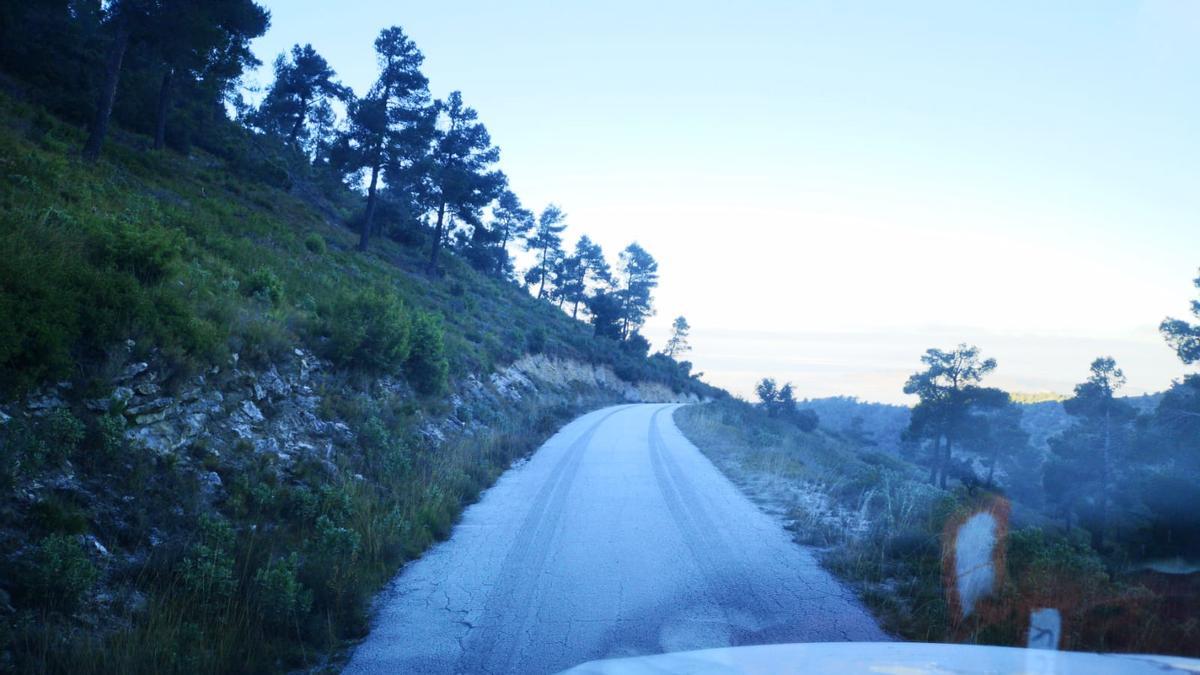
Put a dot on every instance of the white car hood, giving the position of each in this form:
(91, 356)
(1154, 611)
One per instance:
(885, 658)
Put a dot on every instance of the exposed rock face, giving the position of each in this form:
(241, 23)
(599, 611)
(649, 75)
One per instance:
(277, 410)
(534, 371)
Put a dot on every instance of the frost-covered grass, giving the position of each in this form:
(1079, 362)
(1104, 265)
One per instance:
(879, 527)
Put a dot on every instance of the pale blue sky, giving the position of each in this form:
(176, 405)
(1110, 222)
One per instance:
(832, 186)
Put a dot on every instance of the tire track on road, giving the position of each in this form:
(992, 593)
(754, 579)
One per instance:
(723, 569)
(488, 648)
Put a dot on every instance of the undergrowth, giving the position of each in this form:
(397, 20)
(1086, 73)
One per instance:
(880, 528)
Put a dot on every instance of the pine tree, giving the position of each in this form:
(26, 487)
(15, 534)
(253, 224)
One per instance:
(545, 241)
(639, 277)
(677, 344)
(950, 395)
(1184, 337)
(298, 101)
(462, 179)
(1087, 454)
(391, 127)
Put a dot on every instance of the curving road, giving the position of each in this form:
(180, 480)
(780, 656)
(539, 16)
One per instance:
(617, 538)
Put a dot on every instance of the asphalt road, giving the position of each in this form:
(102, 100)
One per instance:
(617, 538)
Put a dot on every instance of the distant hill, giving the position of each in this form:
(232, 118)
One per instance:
(880, 424)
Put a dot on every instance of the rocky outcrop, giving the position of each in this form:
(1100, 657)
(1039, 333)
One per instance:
(534, 371)
(278, 411)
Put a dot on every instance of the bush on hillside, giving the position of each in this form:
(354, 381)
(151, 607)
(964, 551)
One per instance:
(427, 368)
(265, 285)
(368, 331)
(315, 243)
(58, 573)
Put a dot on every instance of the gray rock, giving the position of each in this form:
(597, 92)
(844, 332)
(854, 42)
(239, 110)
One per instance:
(193, 423)
(122, 395)
(148, 389)
(251, 412)
(267, 445)
(259, 392)
(132, 370)
(99, 405)
(136, 602)
(156, 437)
(65, 482)
(95, 544)
(47, 402)
(4, 419)
(315, 425)
(209, 404)
(150, 418)
(151, 406)
(274, 384)
(210, 482)
(341, 433)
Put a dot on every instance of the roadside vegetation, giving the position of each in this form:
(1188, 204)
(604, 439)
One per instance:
(1100, 527)
(142, 223)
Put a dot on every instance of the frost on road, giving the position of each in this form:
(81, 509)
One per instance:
(617, 538)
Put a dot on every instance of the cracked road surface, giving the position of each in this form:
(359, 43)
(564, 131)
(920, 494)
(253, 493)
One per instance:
(617, 538)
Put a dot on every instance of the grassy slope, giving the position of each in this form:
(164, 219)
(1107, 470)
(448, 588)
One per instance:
(880, 526)
(196, 260)
(167, 248)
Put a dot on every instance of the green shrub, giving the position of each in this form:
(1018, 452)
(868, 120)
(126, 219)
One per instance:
(385, 453)
(368, 331)
(330, 568)
(279, 595)
(265, 285)
(63, 433)
(535, 341)
(59, 573)
(206, 573)
(59, 516)
(315, 243)
(108, 439)
(261, 341)
(426, 367)
(32, 445)
(146, 253)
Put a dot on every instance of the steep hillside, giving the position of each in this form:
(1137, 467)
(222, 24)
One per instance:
(222, 428)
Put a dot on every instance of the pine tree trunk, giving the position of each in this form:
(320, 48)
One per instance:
(1102, 525)
(575, 310)
(934, 459)
(542, 272)
(365, 236)
(502, 254)
(299, 124)
(945, 462)
(437, 237)
(164, 107)
(108, 93)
